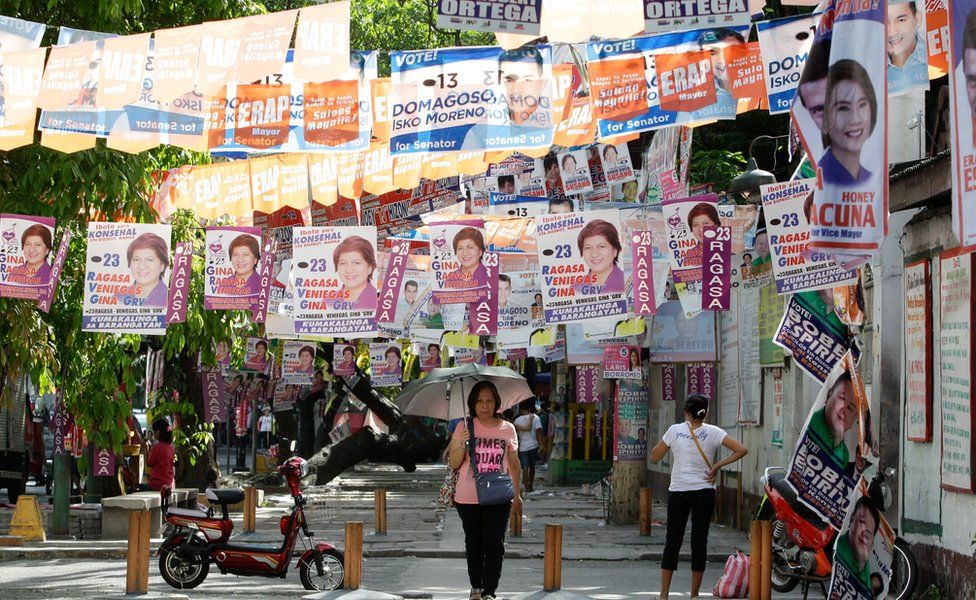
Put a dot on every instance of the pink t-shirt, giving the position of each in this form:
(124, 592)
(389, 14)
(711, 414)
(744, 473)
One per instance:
(491, 445)
(161, 462)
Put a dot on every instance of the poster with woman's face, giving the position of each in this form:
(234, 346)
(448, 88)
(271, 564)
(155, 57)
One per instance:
(222, 353)
(621, 361)
(26, 250)
(686, 220)
(257, 357)
(456, 252)
(126, 278)
(334, 275)
(343, 359)
(385, 364)
(298, 362)
(233, 275)
(617, 167)
(575, 172)
(430, 356)
(581, 260)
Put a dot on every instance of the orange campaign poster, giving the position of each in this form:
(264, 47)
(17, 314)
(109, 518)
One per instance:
(262, 114)
(618, 88)
(579, 127)
(380, 89)
(937, 37)
(685, 81)
(378, 169)
(215, 119)
(349, 174)
(220, 45)
(566, 82)
(406, 170)
(222, 189)
(292, 180)
(322, 42)
(22, 74)
(175, 53)
(332, 112)
(265, 172)
(264, 45)
(744, 71)
(67, 69)
(322, 178)
(123, 62)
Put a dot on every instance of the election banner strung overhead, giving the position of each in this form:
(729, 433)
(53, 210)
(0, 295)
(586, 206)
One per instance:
(514, 205)
(580, 258)
(962, 59)
(471, 99)
(17, 35)
(834, 446)
(297, 363)
(26, 248)
(665, 16)
(848, 142)
(788, 207)
(717, 268)
(333, 271)
(784, 45)
(863, 551)
(126, 278)
(233, 275)
(812, 333)
(490, 15)
(413, 298)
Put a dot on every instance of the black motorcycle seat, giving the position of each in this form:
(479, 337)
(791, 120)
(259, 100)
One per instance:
(225, 495)
(778, 482)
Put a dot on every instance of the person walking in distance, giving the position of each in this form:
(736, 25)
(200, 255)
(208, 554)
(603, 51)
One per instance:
(162, 470)
(529, 427)
(694, 445)
(495, 450)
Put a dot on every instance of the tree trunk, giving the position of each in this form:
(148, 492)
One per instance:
(204, 470)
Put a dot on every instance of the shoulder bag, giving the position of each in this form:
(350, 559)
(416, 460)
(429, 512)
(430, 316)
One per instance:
(493, 488)
(694, 436)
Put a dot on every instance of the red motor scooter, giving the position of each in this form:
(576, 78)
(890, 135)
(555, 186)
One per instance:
(201, 538)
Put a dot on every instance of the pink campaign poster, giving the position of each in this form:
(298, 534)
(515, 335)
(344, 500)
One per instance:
(233, 279)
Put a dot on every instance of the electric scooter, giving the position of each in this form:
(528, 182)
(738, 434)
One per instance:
(803, 543)
(201, 538)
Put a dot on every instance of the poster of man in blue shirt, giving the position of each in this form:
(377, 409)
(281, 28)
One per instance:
(908, 57)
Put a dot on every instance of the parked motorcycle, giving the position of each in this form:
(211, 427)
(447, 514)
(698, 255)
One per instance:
(803, 543)
(201, 538)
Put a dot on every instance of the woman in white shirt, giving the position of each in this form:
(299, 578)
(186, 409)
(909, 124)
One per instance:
(694, 445)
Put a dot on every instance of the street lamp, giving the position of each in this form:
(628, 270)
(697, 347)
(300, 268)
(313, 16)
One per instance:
(747, 183)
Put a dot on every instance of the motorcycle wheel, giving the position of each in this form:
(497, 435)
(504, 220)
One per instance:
(904, 571)
(179, 572)
(332, 561)
(783, 583)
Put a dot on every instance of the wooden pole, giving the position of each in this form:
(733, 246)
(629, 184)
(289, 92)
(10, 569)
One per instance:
(250, 509)
(552, 564)
(646, 502)
(137, 560)
(767, 560)
(755, 560)
(516, 519)
(353, 563)
(381, 511)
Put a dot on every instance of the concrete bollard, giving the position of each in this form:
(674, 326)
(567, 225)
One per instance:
(552, 566)
(353, 563)
(137, 553)
(516, 521)
(250, 509)
(766, 570)
(755, 560)
(380, 509)
(646, 503)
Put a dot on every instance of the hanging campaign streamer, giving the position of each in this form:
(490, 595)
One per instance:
(581, 266)
(343, 360)
(386, 366)
(587, 385)
(413, 305)
(624, 80)
(17, 35)
(297, 363)
(686, 220)
(745, 72)
(233, 277)
(388, 304)
(937, 36)
(215, 402)
(717, 265)
(457, 250)
(631, 430)
(863, 551)
(642, 263)
(471, 99)
(490, 15)
(848, 141)
(785, 46)
(621, 361)
(700, 379)
(575, 172)
(513, 205)
(665, 16)
(334, 271)
(675, 338)
(483, 315)
(179, 287)
(962, 59)
(281, 298)
(47, 294)
(26, 243)
(908, 55)
(812, 333)
(125, 283)
(104, 462)
(398, 212)
(788, 208)
(430, 357)
(832, 449)
(669, 383)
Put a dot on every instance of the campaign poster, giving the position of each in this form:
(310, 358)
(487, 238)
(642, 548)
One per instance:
(215, 404)
(581, 266)
(669, 383)
(457, 252)
(386, 364)
(849, 147)
(285, 396)
(411, 302)
(908, 54)
(26, 246)
(918, 351)
(464, 99)
(642, 265)
(770, 312)
(717, 266)
(222, 354)
(863, 551)
(344, 359)
(257, 358)
(490, 15)
(574, 170)
(334, 275)
(126, 283)
(621, 361)
(521, 321)
(812, 333)
(788, 208)
(516, 205)
(631, 429)
(615, 159)
(665, 16)
(830, 452)
(233, 274)
(476, 355)
(297, 362)
(675, 338)
(700, 379)
(937, 36)
(587, 384)
(785, 47)
(686, 220)
(17, 35)
(962, 60)
(430, 357)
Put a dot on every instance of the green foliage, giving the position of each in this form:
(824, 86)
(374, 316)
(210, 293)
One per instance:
(716, 166)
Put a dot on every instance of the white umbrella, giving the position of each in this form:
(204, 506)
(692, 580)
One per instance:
(443, 393)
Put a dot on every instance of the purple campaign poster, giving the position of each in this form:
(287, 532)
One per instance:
(104, 462)
(179, 284)
(213, 395)
(587, 379)
(717, 276)
(233, 281)
(390, 291)
(25, 253)
(642, 250)
(47, 296)
(483, 315)
(669, 376)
